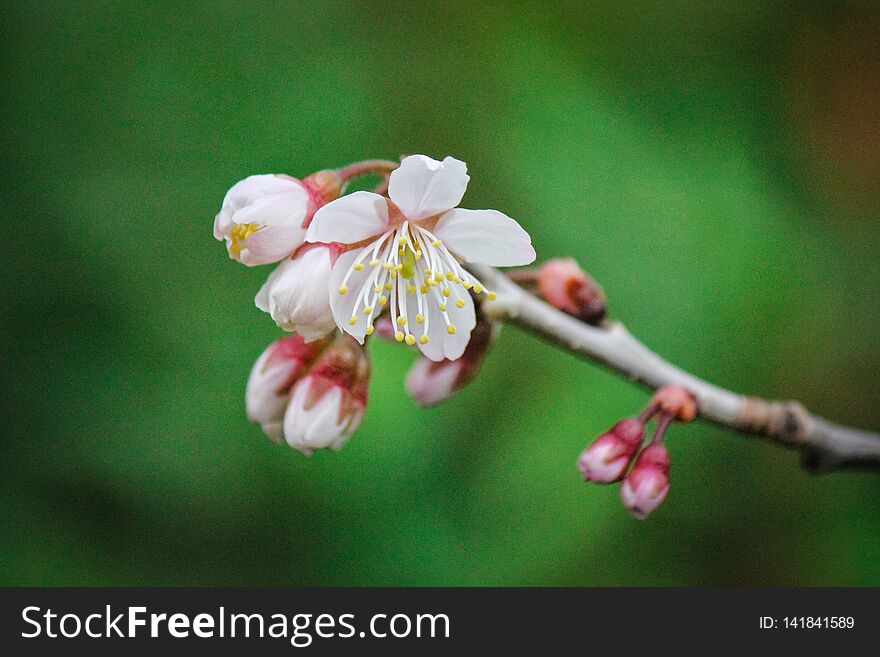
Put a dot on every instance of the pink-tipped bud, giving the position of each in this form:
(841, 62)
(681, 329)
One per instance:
(647, 484)
(430, 382)
(677, 402)
(607, 458)
(564, 285)
(282, 364)
(327, 405)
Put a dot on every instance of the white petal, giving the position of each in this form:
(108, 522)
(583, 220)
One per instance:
(441, 344)
(317, 427)
(349, 219)
(422, 187)
(345, 306)
(271, 244)
(488, 237)
(280, 208)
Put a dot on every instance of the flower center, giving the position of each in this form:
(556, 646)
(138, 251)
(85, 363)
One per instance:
(238, 234)
(411, 271)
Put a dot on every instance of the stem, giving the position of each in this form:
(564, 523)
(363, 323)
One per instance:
(367, 167)
(823, 444)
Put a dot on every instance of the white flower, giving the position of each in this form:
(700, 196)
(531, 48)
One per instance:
(412, 260)
(262, 218)
(283, 363)
(295, 294)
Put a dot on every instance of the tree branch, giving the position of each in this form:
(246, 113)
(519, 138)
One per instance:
(823, 444)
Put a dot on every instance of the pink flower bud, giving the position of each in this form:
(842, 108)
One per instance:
(327, 405)
(295, 294)
(647, 484)
(564, 285)
(430, 382)
(283, 363)
(607, 458)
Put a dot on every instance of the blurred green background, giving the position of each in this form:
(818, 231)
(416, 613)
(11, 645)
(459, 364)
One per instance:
(716, 166)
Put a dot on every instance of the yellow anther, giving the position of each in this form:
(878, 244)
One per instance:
(370, 329)
(387, 265)
(423, 289)
(359, 266)
(400, 252)
(402, 241)
(377, 289)
(343, 289)
(353, 320)
(373, 262)
(459, 303)
(368, 310)
(401, 321)
(393, 273)
(399, 336)
(398, 267)
(419, 253)
(438, 277)
(432, 283)
(445, 291)
(478, 289)
(420, 319)
(442, 306)
(410, 288)
(456, 279)
(383, 300)
(410, 339)
(492, 296)
(467, 286)
(436, 243)
(451, 329)
(423, 339)
(239, 233)
(449, 276)
(427, 272)
(389, 286)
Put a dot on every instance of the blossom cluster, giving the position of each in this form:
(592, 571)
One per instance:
(349, 264)
(608, 459)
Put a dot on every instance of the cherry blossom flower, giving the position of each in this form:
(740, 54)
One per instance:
(264, 218)
(406, 253)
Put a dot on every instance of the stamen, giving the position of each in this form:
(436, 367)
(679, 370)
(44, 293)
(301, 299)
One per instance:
(451, 329)
(343, 289)
(410, 339)
(399, 336)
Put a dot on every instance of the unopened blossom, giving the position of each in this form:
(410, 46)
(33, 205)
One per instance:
(281, 365)
(264, 218)
(607, 458)
(647, 484)
(295, 294)
(407, 253)
(564, 285)
(327, 405)
(430, 382)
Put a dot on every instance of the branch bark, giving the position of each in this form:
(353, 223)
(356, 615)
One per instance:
(823, 444)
